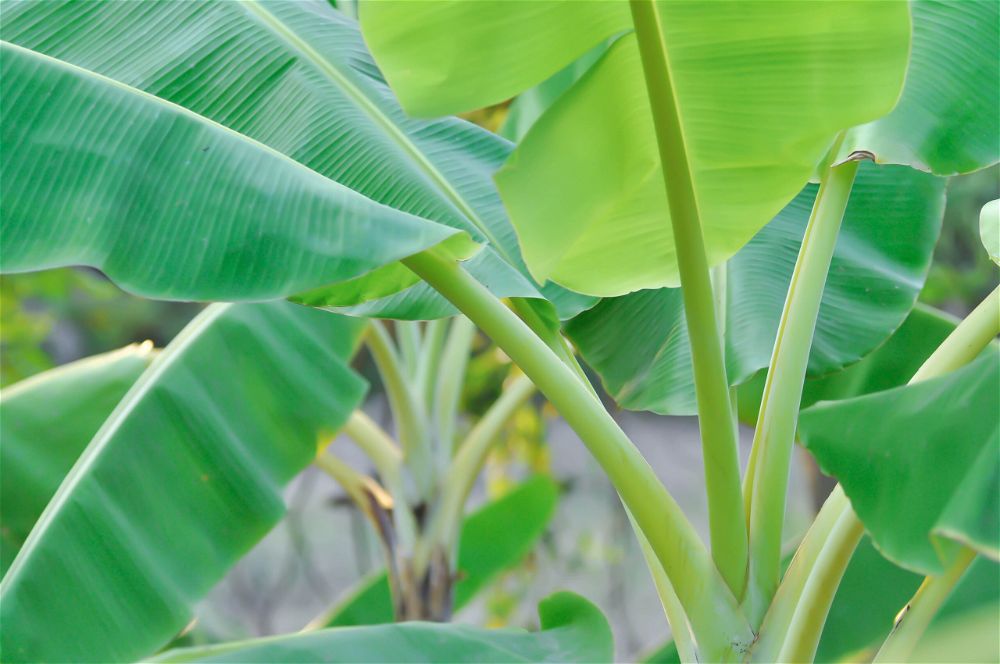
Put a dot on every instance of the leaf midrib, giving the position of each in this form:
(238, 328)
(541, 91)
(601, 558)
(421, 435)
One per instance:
(365, 104)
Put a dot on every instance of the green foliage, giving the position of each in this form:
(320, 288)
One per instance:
(39, 449)
(493, 538)
(182, 478)
(881, 259)
(572, 630)
(926, 450)
(590, 214)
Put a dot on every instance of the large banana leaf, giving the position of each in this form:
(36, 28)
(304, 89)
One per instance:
(262, 185)
(946, 121)
(45, 423)
(762, 88)
(493, 538)
(919, 463)
(880, 262)
(572, 630)
(180, 481)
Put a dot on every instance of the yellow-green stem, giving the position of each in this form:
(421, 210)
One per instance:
(716, 620)
(774, 436)
(715, 419)
(820, 588)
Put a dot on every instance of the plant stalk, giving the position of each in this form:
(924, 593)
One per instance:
(464, 470)
(820, 588)
(715, 418)
(966, 341)
(716, 620)
(430, 357)
(774, 436)
(451, 374)
(915, 617)
(407, 413)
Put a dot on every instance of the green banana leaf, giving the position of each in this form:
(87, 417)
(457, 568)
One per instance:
(493, 538)
(885, 248)
(180, 481)
(927, 452)
(572, 630)
(168, 203)
(45, 423)
(281, 173)
(762, 89)
(946, 121)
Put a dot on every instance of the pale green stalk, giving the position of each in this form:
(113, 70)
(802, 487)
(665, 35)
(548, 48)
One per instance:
(715, 419)
(966, 341)
(406, 410)
(408, 336)
(375, 443)
(779, 616)
(820, 589)
(721, 631)
(680, 631)
(551, 336)
(464, 469)
(430, 357)
(774, 436)
(451, 374)
(359, 488)
(916, 616)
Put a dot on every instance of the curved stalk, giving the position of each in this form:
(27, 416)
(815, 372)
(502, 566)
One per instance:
(915, 617)
(966, 341)
(375, 443)
(774, 435)
(716, 620)
(362, 489)
(817, 595)
(715, 418)
(552, 337)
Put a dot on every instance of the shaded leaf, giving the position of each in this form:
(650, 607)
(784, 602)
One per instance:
(572, 630)
(927, 452)
(45, 423)
(180, 481)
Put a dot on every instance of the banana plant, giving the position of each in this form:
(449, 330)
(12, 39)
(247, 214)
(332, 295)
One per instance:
(687, 203)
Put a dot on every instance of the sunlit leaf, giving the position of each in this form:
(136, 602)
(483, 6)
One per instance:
(638, 343)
